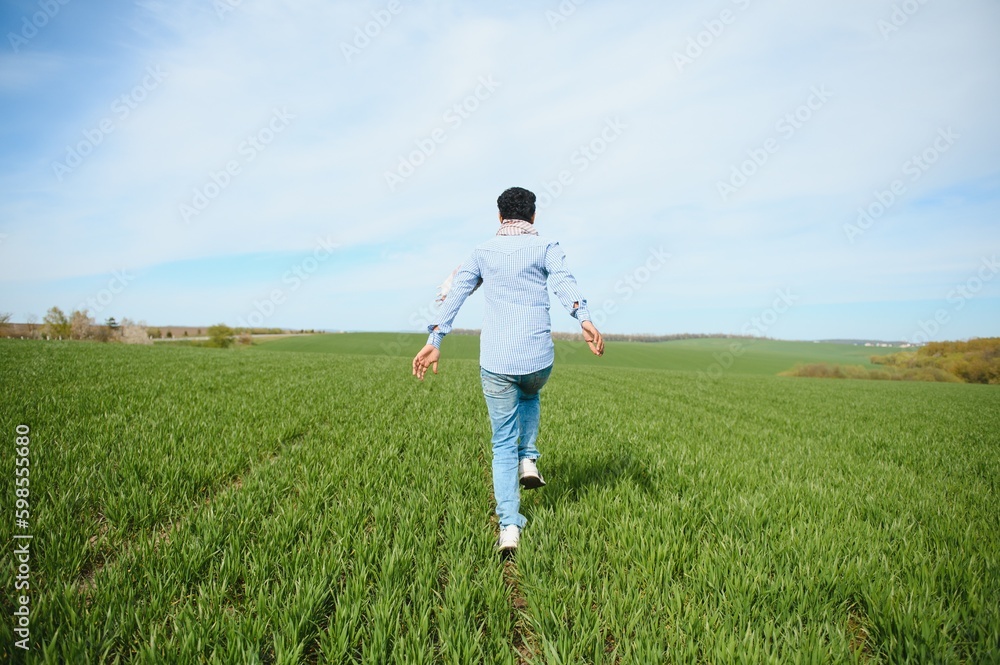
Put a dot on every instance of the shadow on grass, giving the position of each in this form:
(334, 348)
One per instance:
(570, 479)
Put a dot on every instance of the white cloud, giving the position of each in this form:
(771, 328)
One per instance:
(656, 184)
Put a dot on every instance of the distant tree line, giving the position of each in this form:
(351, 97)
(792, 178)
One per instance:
(79, 325)
(615, 337)
(975, 361)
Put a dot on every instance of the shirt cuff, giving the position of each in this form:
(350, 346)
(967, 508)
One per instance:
(582, 313)
(434, 339)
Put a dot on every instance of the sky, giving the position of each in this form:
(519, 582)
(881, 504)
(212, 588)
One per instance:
(767, 167)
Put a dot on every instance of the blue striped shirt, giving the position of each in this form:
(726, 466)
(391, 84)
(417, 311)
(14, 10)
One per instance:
(517, 333)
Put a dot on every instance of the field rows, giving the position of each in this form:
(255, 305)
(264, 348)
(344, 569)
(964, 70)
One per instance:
(200, 505)
(705, 356)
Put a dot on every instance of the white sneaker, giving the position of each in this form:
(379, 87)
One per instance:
(528, 474)
(509, 535)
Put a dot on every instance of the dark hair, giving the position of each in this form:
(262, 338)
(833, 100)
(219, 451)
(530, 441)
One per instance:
(517, 203)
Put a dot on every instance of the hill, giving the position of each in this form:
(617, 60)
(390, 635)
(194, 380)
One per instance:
(712, 357)
(257, 505)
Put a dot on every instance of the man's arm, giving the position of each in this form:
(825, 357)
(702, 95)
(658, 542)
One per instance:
(566, 289)
(465, 282)
(426, 357)
(593, 338)
(564, 284)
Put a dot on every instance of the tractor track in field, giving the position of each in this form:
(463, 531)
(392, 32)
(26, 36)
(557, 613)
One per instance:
(859, 634)
(522, 638)
(104, 556)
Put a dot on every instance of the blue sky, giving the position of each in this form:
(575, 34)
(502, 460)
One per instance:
(704, 165)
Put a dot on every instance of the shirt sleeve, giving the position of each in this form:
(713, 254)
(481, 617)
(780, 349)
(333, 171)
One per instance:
(564, 284)
(466, 280)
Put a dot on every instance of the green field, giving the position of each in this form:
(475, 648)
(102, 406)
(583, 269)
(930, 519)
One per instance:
(307, 500)
(697, 355)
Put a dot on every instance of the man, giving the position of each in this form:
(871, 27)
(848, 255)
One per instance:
(516, 350)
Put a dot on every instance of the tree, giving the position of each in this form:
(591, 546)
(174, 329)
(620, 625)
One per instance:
(31, 321)
(56, 324)
(4, 322)
(107, 332)
(134, 333)
(220, 336)
(80, 323)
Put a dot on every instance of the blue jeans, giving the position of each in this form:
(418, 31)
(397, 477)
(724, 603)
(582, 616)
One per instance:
(515, 410)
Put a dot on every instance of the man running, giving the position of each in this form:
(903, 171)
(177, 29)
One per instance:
(515, 350)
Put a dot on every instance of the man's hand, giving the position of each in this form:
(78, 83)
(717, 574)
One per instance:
(593, 337)
(427, 357)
